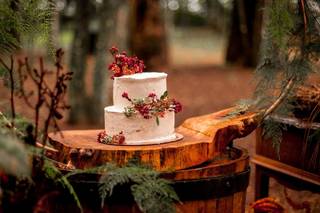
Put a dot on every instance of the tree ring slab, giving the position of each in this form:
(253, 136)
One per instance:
(204, 137)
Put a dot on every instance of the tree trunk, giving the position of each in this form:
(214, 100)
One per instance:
(148, 35)
(245, 33)
(216, 15)
(80, 48)
(107, 11)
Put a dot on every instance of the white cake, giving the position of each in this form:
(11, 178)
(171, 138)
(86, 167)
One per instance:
(136, 129)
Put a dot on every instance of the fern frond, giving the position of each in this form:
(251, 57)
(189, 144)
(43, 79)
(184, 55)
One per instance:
(53, 173)
(155, 195)
(241, 107)
(151, 193)
(27, 19)
(94, 170)
(14, 157)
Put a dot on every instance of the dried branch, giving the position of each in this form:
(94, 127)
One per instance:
(304, 15)
(48, 96)
(280, 99)
(9, 125)
(11, 79)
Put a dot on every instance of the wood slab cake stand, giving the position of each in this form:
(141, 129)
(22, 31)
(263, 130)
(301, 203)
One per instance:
(204, 138)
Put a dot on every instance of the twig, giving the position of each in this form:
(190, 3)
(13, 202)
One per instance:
(48, 97)
(10, 71)
(40, 96)
(280, 99)
(303, 11)
(9, 125)
(13, 111)
(4, 64)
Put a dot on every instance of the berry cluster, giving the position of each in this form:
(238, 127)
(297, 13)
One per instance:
(152, 106)
(123, 64)
(104, 138)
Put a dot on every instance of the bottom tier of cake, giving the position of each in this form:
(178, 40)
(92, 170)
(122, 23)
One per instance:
(137, 130)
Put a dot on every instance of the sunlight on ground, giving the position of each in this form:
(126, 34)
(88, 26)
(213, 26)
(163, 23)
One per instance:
(193, 46)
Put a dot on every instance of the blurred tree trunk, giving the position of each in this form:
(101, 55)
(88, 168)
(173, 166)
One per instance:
(245, 32)
(79, 50)
(147, 37)
(216, 15)
(106, 14)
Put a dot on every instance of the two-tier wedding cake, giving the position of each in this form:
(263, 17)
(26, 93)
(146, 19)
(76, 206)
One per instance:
(142, 112)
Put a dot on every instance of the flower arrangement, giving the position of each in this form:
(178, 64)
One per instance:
(123, 64)
(151, 106)
(104, 138)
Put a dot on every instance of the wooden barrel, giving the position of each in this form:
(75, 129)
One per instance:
(215, 186)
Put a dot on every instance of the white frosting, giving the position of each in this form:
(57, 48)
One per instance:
(136, 128)
(138, 86)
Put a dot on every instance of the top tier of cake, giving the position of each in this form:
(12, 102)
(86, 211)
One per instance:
(138, 85)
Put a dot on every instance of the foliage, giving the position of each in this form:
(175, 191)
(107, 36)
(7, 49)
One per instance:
(14, 157)
(273, 131)
(19, 19)
(280, 23)
(151, 193)
(289, 54)
(53, 173)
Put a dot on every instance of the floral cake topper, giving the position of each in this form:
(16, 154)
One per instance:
(124, 64)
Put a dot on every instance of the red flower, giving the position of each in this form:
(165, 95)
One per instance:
(104, 138)
(126, 96)
(152, 95)
(177, 106)
(101, 136)
(114, 50)
(123, 64)
(119, 139)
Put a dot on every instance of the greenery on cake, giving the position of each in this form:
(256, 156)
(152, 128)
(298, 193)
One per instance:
(151, 106)
(124, 64)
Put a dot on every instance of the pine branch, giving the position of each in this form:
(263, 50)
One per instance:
(14, 157)
(280, 99)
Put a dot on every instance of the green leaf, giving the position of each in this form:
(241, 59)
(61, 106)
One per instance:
(151, 193)
(14, 157)
(164, 95)
(157, 120)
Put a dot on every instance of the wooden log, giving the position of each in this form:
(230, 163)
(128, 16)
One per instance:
(205, 137)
